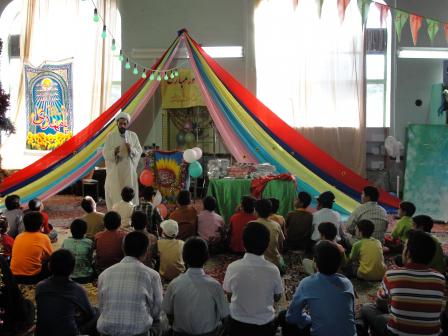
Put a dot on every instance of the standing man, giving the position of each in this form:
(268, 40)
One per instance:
(122, 153)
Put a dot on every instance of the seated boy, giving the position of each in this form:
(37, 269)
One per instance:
(94, 219)
(6, 241)
(328, 232)
(299, 224)
(139, 221)
(185, 215)
(211, 225)
(367, 254)
(238, 221)
(36, 205)
(151, 211)
(14, 215)
(125, 208)
(400, 233)
(63, 307)
(275, 216)
(108, 243)
(327, 296)
(195, 289)
(82, 250)
(410, 298)
(170, 251)
(31, 251)
(254, 284)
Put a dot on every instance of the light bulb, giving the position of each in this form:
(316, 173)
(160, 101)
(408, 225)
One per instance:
(104, 33)
(176, 73)
(165, 77)
(144, 73)
(159, 78)
(171, 75)
(135, 71)
(151, 76)
(114, 47)
(128, 65)
(121, 57)
(96, 17)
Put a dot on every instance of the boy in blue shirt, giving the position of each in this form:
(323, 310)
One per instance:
(328, 297)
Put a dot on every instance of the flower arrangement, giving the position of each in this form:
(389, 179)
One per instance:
(42, 141)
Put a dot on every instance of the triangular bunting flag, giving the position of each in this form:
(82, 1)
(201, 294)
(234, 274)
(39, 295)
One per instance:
(415, 23)
(384, 10)
(342, 6)
(400, 21)
(433, 28)
(295, 3)
(319, 7)
(364, 6)
(445, 27)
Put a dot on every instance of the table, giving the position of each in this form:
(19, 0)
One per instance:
(228, 193)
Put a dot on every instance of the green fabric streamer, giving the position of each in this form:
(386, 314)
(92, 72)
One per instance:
(364, 6)
(319, 7)
(400, 21)
(433, 28)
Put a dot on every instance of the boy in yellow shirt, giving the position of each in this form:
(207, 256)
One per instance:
(400, 233)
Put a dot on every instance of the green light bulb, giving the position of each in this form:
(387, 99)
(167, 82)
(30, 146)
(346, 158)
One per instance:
(104, 33)
(151, 76)
(121, 57)
(135, 71)
(159, 78)
(128, 65)
(165, 77)
(114, 47)
(144, 73)
(176, 73)
(96, 17)
(171, 75)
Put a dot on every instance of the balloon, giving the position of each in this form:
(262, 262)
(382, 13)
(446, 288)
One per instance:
(147, 178)
(190, 138)
(198, 152)
(180, 138)
(163, 210)
(195, 169)
(188, 126)
(189, 155)
(157, 198)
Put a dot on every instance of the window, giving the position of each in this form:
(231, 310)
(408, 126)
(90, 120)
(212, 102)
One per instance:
(378, 58)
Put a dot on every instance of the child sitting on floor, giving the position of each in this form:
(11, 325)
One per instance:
(82, 250)
(152, 212)
(299, 224)
(125, 208)
(6, 241)
(276, 217)
(400, 233)
(170, 251)
(238, 221)
(366, 257)
(36, 205)
(211, 225)
(139, 221)
(14, 215)
(328, 232)
(185, 215)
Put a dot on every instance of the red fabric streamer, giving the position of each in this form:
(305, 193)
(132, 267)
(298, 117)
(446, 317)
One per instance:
(342, 7)
(258, 184)
(290, 136)
(384, 11)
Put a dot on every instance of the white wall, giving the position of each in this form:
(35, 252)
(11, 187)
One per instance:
(412, 78)
(154, 24)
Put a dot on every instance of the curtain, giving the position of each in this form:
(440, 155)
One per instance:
(63, 30)
(310, 72)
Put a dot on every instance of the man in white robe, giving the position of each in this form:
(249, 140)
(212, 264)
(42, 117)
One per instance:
(122, 153)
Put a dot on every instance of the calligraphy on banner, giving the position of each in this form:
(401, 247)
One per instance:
(170, 172)
(49, 102)
(181, 91)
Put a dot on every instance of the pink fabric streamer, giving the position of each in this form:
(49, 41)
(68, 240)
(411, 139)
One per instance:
(233, 144)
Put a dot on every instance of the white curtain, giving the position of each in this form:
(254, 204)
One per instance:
(60, 30)
(310, 72)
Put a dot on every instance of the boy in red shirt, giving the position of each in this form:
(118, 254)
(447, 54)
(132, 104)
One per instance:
(239, 220)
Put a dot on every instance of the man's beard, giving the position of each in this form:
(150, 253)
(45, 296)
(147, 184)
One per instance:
(122, 130)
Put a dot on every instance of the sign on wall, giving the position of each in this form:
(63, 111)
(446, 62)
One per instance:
(181, 91)
(49, 105)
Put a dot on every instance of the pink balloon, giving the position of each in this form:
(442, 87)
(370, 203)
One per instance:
(147, 178)
(188, 125)
(163, 210)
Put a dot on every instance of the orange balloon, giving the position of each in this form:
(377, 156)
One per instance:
(163, 210)
(147, 178)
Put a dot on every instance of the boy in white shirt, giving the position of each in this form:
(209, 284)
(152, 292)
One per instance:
(125, 208)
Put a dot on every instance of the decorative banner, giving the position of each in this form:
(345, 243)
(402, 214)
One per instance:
(364, 6)
(181, 92)
(170, 172)
(49, 103)
(319, 4)
(415, 22)
(342, 6)
(400, 21)
(433, 28)
(295, 3)
(445, 28)
(384, 10)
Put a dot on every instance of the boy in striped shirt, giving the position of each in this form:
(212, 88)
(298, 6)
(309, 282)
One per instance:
(414, 293)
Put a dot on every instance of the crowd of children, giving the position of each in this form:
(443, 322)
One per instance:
(132, 249)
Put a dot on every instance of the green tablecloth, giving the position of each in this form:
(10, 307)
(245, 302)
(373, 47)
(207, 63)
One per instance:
(228, 193)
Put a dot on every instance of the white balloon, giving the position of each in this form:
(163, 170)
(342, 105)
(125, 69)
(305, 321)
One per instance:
(189, 155)
(157, 199)
(198, 152)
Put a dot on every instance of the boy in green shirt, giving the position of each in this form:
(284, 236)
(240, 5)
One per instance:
(366, 257)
